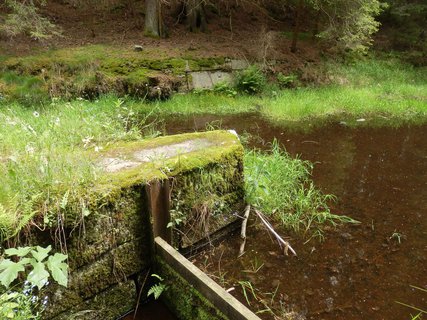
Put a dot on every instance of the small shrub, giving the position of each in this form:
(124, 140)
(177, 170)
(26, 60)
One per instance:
(225, 88)
(251, 80)
(286, 81)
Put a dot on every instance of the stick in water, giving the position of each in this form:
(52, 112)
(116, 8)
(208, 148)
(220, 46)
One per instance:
(243, 231)
(276, 235)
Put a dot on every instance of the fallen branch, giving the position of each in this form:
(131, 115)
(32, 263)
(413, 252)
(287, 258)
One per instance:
(245, 221)
(276, 235)
(140, 292)
(243, 231)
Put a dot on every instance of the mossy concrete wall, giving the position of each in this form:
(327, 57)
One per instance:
(91, 71)
(111, 248)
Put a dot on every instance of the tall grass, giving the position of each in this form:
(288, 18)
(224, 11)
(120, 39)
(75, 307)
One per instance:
(43, 154)
(281, 186)
(386, 88)
(377, 89)
(200, 103)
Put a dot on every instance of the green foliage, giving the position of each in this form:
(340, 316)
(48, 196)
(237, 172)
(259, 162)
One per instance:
(404, 22)
(23, 89)
(45, 163)
(36, 260)
(177, 214)
(157, 289)
(251, 80)
(281, 186)
(36, 265)
(351, 23)
(246, 289)
(18, 306)
(383, 90)
(224, 88)
(26, 19)
(286, 81)
(92, 71)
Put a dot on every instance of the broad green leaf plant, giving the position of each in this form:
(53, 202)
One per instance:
(37, 265)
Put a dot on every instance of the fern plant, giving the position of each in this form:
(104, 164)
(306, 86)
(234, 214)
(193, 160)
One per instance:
(157, 289)
(251, 80)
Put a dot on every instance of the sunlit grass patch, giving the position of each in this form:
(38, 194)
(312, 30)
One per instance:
(281, 186)
(45, 155)
(367, 88)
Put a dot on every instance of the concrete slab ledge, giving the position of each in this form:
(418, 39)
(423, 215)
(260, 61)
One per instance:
(221, 299)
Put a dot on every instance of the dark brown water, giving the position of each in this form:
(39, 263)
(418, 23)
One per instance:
(153, 310)
(359, 272)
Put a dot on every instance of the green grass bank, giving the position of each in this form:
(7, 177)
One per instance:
(385, 90)
(44, 158)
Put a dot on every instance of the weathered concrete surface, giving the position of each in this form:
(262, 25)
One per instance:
(236, 64)
(154, 154)
(208, 79)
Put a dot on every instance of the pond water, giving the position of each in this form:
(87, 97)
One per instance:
(359, 271)
(152, 310)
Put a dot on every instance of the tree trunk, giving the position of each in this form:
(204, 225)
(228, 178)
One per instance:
(196, 15)
(316, 25)
(296, 31)
(153, 18)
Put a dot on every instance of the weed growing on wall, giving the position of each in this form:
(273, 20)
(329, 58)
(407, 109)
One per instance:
(157, 289)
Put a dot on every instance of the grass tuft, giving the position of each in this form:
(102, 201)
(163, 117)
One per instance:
(281, 186)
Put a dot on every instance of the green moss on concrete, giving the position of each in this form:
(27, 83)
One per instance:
(114, 190)
(60, 300)
(113, 267)
(93, 70)
(182, 299)
(108, 227)
(110, 304)
(205, 199)
(225, 148)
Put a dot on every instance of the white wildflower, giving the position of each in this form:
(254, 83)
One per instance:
(36, 114)
(86, 141)
(29, 149)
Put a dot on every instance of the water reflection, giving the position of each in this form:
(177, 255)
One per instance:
(380, 178)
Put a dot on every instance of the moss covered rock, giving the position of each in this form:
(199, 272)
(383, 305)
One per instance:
(94, 70)
(110, 242)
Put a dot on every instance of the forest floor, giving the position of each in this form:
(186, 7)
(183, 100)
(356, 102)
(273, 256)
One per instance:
(248, 34)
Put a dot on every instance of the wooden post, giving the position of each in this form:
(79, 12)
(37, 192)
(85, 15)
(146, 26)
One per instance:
(158, 194)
